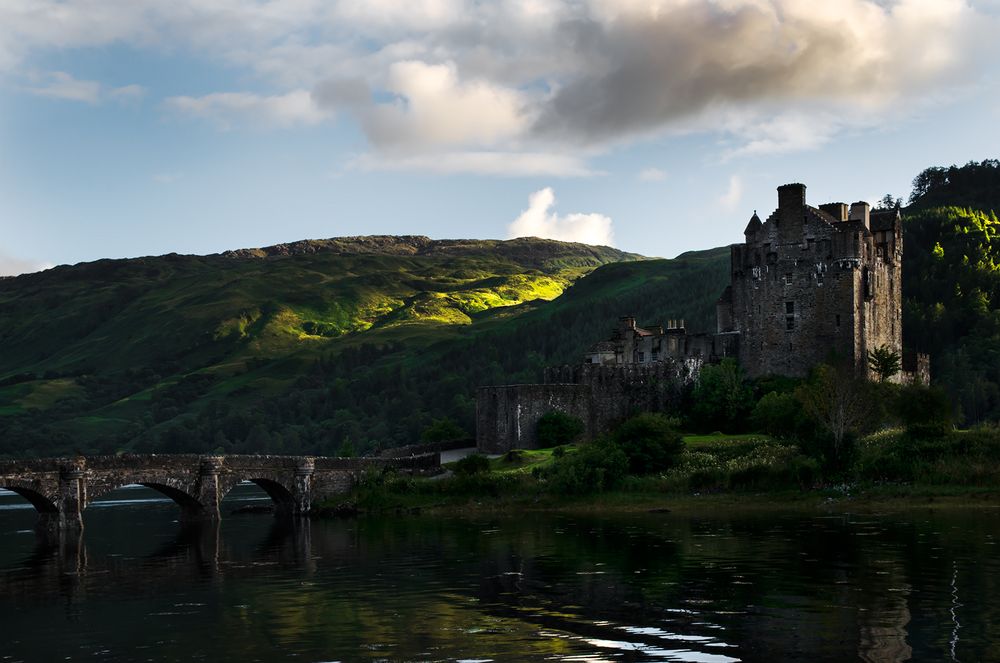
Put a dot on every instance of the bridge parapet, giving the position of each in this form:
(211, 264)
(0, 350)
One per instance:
(61, 488)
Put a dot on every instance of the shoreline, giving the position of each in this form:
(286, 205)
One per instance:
(881, 499)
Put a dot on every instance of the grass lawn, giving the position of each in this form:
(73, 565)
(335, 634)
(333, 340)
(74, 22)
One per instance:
(523, 460)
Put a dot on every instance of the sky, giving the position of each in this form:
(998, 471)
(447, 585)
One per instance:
(144, 127)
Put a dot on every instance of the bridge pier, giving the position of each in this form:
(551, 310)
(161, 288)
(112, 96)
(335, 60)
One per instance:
(61, 488)
(302, 488)
(208, 490)
(65, 521)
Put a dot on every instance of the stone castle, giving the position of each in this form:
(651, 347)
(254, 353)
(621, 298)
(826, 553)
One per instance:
(807, 285)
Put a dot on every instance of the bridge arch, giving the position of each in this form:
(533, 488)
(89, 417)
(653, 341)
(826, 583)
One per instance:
(180, 494)
(277, 489)
(41, 502)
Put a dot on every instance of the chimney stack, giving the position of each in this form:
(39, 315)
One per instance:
(860, 212)
(837, 210)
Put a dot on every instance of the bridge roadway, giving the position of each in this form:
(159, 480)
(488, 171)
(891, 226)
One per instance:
(61, 488)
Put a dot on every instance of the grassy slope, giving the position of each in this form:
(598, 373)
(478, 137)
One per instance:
(92, 345)
(102, 341)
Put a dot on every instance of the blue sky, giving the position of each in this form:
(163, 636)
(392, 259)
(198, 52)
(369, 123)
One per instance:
(138, 127)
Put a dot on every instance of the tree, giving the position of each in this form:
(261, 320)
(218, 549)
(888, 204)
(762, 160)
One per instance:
(841, 404)
(925, 411)
(347, 448)
(557, 428)
(442, 430)
(651, 442)
(722, 397)
(889, 203)
(883, 362)
(779, 414)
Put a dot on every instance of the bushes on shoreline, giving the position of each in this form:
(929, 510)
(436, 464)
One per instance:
(758, 464)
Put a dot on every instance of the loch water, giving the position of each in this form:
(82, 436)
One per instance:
(712, 587)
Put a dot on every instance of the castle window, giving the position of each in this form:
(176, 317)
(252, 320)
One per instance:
(788, 278)
(838, 321)
(789, 316)
(642, 357)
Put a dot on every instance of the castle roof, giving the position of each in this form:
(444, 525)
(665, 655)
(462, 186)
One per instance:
(754, 224)
(884, 219)
(823, 214)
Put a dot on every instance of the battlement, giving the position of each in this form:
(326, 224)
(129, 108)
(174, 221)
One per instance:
(806, 284)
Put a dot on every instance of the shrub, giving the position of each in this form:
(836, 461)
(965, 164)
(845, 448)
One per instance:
(924, 411)
(595, 467)
(472, 464)
(651, 442)
(557, 428)
(514, 456)
(779, 415)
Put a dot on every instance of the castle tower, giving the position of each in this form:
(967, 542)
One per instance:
(810, 285)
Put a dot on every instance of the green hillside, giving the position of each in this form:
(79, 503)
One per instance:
(234, 350)
(951, 283)
(357, 343)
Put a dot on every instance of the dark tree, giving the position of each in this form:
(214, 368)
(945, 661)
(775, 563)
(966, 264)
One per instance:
(557, 428)
(884, 362)
(651, 442)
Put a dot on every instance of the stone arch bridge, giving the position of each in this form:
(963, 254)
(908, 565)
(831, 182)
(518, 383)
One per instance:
(61, 488)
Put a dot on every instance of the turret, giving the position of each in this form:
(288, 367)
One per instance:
(791, 197)
(752, 227)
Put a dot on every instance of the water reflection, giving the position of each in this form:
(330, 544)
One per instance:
(658, 587)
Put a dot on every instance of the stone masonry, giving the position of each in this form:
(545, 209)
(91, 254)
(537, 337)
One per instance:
(600, 396)
(809, 285)
(813, 283)
(60, 489)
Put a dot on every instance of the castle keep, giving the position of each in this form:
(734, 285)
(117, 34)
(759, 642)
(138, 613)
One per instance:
(807, 285)
(810, 282)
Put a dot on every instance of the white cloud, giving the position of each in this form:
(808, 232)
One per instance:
(541, 76)
(127, 93)
(730, 200)
(652, 175)
(294, 108)
(539, 221)
(511, 164)
(60, 85)
(11, 266)
(432, 108)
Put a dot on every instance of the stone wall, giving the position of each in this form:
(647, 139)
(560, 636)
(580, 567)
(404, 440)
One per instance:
(507, 416)
(61, 488)
(601, 396)
(428, 447)
(916, 369)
